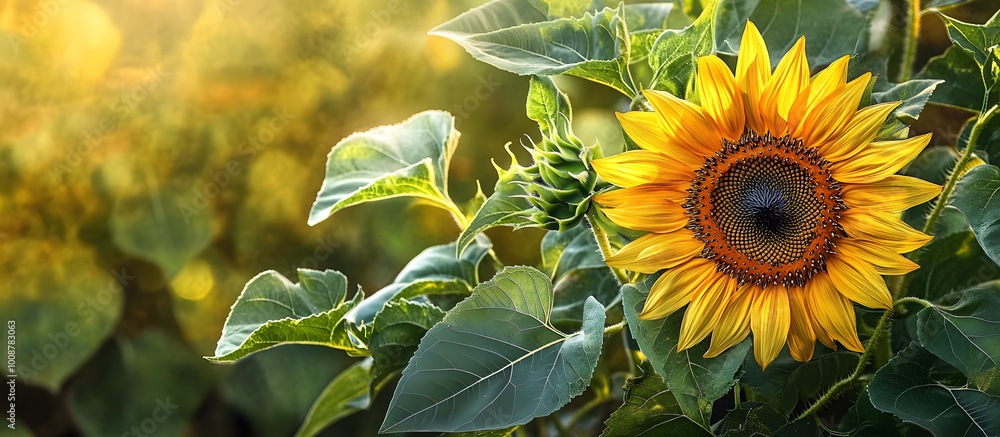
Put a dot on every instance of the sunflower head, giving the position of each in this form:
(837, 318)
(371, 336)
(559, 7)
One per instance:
(771, 204)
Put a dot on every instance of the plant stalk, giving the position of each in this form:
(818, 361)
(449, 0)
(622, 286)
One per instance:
(881, 328)
(912, 36)
(949, 187)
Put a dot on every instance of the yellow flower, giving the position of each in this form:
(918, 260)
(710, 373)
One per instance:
(770, 203)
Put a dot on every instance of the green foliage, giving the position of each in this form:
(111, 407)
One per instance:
(965, 335)
(531, 371)
(408, 159)
(271, 311)
(346, 394)
(695, 381)
(975, 196)
(649, 407)
(906, 387)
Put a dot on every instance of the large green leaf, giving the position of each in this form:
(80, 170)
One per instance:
(988, 144)
(346, 394)
(162, 227)
(975, 39)
(863, 419)
(574, 248)
(674, 55)
(406, 159)
(436, 270)
(130, 383)
(967, 336)
(949, 264)
(752, 419)
(548, 106)
(695, 381)
(646, 21)
(272, 310)
(832, 28)
(519, 37)
(904, 387)
(963, 86)
(786, 382)
(649, 407)
(495, 361)
(573, 290)
(976, 196)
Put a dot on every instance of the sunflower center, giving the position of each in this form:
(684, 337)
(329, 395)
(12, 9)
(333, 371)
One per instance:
(767, 209)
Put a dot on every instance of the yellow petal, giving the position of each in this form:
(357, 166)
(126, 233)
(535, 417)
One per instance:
(858, 281)
(879, 160)
(895, 193)
(643, 194)
(753, 71)
(657, 215)
(832, 114)
(832, 79)
(801, 339)
(653, 252)
(858, 133)
(790, 78)
(720, 97)
(885, 261)
(833, 312)
(637, 167)
(705, 310)
(883, 228)
(675, 288)
(646, 130)
(689, 129)
(734, 325)
(769, 319)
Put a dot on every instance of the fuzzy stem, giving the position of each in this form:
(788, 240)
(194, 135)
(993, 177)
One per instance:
(602, 242)
(912, 35)
(613, 329)
(942, 199)
(881, 328)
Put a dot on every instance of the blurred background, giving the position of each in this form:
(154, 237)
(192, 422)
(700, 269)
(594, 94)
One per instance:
(156, 155)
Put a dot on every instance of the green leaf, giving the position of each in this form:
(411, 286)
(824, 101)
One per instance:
(904, 387)
(752, 419)
(548, 106)
(975, 39)
(786, 382)
(967, 336)
(271, 311)
(132, 381)
(695, 381)
(160, 226)
(397, 331)
(505, 207)
(574, 248)
(976, 196)
(436, 270)
(516, 36)
(832, 29)
(346, 394)
(406, 159)
(649, 407)
(914, 94)
(646, 21)
(963, 86)
(495, 361)
(674, 55)
(988, 144)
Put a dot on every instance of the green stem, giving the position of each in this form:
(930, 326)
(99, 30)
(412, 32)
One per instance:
(912, 35)
(602, 242)
(942, 199)
(881, 328)
(911, 299)
(736, 394)
(613, 329)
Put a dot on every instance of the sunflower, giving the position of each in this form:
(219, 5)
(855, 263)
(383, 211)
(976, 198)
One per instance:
(769, 203)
